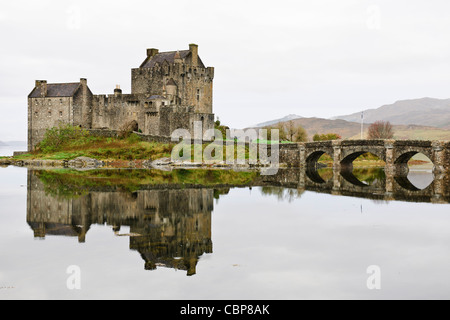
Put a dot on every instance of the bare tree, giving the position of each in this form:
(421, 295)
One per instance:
(288, 131)
(295, 133)
(381, 130)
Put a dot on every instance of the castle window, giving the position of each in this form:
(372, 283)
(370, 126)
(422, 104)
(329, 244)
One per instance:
(198, 94)
(60, 114)
(35, 113)
(49, 113)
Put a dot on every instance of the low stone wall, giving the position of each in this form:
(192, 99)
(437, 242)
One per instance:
(19, 153)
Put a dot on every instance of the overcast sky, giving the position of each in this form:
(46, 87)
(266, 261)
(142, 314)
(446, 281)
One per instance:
(272, 58)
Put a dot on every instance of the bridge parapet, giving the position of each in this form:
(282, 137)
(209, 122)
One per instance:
(395, 153)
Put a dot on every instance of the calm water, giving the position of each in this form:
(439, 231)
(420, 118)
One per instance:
(9, 150)
(260, 242)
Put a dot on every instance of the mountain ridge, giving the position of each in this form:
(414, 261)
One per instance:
(424, 111)
(352, 130)
(272, 122)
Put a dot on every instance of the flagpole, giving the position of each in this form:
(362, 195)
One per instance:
(362, 124)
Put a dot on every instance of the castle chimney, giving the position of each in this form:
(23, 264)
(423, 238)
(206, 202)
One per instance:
(84, 87)
(177, 57)
(42, 85)
(193, 48)
(117, 91)
(152, 52)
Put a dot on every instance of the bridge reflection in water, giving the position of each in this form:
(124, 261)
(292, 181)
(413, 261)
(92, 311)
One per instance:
(170, 224)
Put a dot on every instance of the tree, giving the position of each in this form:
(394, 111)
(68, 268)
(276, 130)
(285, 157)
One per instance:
(292, 132)
(288, 131)
(300, 134)
(223, 129)
(381, 130)
(281, 131)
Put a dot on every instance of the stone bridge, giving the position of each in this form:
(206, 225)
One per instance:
(395, 153)
(386, 187)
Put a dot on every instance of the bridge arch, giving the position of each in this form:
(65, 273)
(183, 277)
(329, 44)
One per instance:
(405, 183)
(353, 155)
(353, 149)
(315, 150)
(403, 158)
(405, 150)
(351, 178)
(313, 174)
(314, 157)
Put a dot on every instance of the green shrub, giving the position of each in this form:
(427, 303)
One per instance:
(133, 138)
(56, 137)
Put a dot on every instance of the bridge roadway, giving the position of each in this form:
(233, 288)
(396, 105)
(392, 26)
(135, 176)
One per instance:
(395, 153)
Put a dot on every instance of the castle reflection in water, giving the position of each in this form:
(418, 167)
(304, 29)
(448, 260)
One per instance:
(167, 227)
(171, 225)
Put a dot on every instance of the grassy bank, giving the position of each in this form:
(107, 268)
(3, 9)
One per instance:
(101, 148)
(68, 183)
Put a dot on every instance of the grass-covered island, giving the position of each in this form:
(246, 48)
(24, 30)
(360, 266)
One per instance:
(67, 143)
(127, 150)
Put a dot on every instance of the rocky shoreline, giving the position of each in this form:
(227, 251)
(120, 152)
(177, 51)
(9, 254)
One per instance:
(90, 163)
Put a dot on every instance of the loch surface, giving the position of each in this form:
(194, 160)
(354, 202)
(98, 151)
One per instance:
(274, 239)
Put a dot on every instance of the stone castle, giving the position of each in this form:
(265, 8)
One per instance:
(170, 90)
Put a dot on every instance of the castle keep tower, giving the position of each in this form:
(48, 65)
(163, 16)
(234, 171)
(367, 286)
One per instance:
(179, 75)
(170, 90)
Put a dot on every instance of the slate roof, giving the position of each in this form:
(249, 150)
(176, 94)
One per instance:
(57, 90)
(169, 57)
(154, 97)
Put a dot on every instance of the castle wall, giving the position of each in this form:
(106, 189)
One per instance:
(115, 111)
(44, 113)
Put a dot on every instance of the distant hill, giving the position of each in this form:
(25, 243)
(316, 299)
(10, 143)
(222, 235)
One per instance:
(13, 143)
(352, 130)
(284, 119)
(426, 112)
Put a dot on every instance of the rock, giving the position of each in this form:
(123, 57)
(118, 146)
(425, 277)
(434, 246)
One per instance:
(162, 162)
(85, 162)
(188, 164)
(6, 161)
